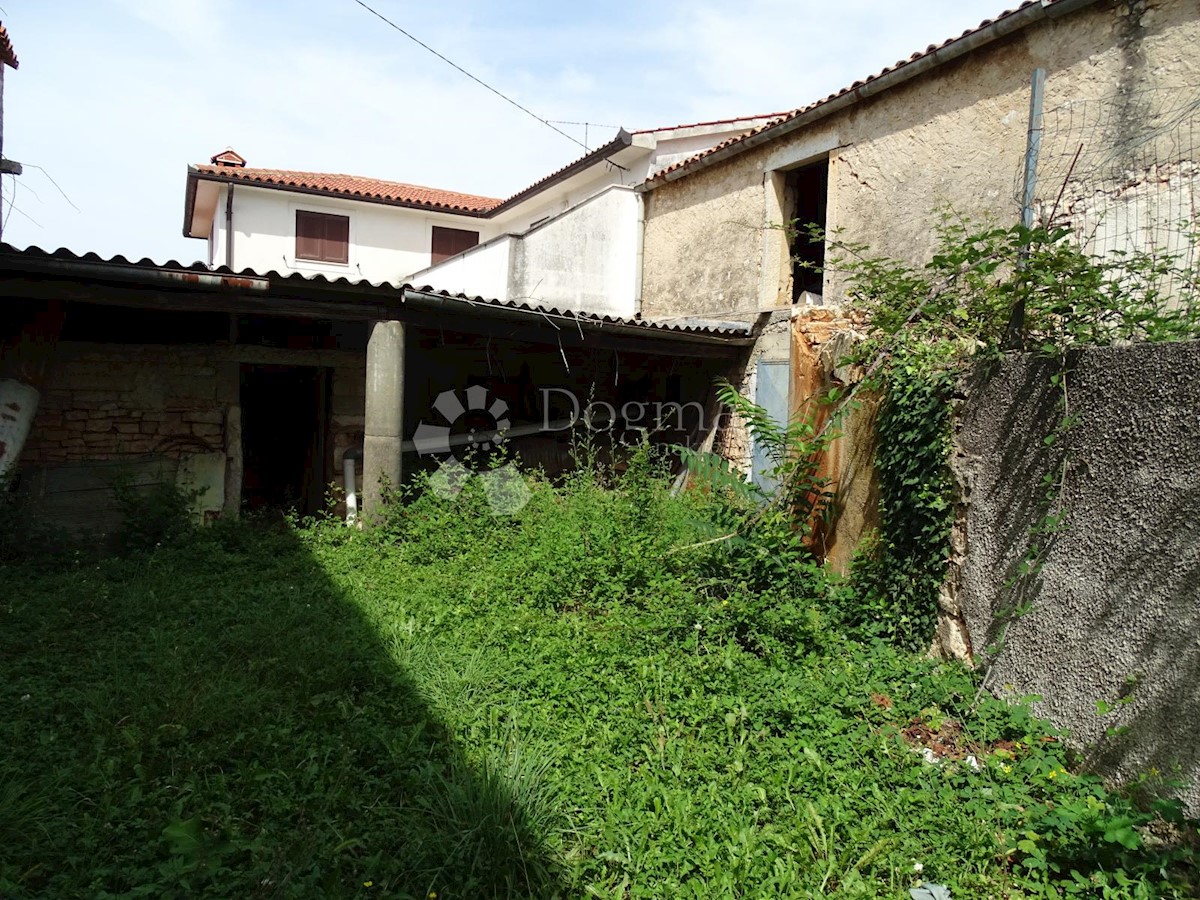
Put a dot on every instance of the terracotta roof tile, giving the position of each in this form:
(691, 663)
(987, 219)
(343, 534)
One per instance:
(7, 54)
(355, 187)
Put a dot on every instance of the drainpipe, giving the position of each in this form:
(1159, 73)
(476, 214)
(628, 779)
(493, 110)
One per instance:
(229, 227)
(639, 257)
(349, 458)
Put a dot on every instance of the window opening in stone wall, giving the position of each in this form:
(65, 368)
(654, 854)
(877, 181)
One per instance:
(807, 189)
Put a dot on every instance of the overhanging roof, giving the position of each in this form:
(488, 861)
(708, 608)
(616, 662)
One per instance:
(8, 56)
(118, 281)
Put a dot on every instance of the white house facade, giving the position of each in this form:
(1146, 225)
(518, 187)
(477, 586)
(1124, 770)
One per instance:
(572, 240)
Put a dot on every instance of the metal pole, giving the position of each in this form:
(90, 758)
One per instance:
(1033, 144)
(1014, 336)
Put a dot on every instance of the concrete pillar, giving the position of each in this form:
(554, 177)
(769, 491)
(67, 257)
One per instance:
(384, 430)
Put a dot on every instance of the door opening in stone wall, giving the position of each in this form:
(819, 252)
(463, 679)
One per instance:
(807, 193)
(285, 422)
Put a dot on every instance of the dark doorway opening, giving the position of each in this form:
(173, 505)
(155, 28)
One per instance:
(285, 418)
(808, 192)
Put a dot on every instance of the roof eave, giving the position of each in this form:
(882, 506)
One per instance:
(189, 204)
(196, 175)
(616, 145)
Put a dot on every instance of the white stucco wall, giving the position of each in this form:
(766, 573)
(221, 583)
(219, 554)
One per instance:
(387, 243)
(482, 271)
(584, 259)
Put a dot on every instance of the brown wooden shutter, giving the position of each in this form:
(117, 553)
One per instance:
(337, 239)
(449, 242)
(322, 237)
(308, 235)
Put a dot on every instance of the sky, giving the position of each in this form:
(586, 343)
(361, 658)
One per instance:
(114, 98)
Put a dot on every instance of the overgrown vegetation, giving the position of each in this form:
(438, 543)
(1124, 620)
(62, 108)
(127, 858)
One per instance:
(563, 702)
(984, 291)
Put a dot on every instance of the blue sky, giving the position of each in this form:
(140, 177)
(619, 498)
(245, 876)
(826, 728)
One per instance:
(115, 97)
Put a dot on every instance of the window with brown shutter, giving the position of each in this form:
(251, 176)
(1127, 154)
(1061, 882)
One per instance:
(322, 237)
(449, 242)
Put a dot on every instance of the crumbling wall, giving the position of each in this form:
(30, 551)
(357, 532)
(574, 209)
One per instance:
(815, 341)
(1115, 607)
(953, 137)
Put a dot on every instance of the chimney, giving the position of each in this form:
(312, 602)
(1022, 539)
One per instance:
(228, 157)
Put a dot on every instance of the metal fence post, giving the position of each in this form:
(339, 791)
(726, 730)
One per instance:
(1014, 337)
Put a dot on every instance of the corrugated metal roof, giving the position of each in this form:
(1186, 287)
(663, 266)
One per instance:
(93, 265)
(785, 118)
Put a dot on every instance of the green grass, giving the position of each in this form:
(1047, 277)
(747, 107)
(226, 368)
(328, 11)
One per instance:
(548, 705)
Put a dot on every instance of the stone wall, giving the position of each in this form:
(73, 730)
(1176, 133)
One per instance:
(162, 412)
(954, 136)
(112, 401)
(1115, 608)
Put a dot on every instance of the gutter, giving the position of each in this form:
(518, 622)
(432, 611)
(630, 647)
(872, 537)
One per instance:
(432, 301)
(640, 254)
(1015, 21)
(128, 272)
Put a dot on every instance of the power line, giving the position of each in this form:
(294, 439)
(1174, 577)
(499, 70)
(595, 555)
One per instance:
(53, 182)
(478, 81)
(597, 124)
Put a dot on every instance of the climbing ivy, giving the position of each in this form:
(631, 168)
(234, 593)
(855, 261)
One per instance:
(927, 325)
(893, 591)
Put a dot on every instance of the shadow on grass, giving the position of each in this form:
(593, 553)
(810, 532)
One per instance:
(222, 720)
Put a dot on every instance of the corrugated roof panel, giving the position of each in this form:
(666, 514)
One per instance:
(692, 326)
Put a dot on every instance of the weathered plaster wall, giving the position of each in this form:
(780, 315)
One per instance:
(954, 136)
(1118, 598)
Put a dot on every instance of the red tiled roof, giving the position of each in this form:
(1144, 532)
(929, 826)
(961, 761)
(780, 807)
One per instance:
(354, 187)
(855, 87)
(7, 54)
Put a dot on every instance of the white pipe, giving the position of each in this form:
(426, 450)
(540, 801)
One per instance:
(351, 497)
(18, 403)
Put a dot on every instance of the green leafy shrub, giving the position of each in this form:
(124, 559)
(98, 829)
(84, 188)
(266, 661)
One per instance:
(153, 516)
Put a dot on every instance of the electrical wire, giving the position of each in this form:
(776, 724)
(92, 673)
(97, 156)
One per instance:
(478, 81)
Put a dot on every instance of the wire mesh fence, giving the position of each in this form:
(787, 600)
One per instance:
(1123, 173)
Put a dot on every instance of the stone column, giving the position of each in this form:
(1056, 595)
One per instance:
(384, 429)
